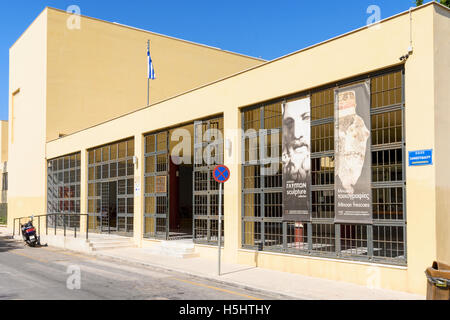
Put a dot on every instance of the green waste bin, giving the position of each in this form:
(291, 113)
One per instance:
(438, 286)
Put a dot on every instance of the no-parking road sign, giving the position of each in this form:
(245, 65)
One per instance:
(221, 174)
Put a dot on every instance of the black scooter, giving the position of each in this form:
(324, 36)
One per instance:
(29, 234)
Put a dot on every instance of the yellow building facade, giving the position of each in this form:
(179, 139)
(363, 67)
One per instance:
(85, 71)
(409, 111)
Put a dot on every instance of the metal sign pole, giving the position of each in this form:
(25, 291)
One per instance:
(219, 231)
(221, 175)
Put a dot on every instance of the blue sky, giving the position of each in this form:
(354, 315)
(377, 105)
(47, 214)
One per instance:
(267, 29)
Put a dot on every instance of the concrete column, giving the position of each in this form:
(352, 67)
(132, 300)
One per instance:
(139, 147)
(83, 190)
(232, 202)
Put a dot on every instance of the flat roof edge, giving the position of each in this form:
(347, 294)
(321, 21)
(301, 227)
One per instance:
(440, 5)
(31, 24)
(163, 35)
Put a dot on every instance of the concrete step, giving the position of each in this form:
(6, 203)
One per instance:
(112, 247)
(178, 244)
(183, 249)
(166, 250)
(99, 244)
(109, 238)
(181, 255)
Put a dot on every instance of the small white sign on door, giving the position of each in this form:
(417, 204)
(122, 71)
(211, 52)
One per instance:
(137, 189)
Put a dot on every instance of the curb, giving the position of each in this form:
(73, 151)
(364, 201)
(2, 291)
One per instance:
(281, 295)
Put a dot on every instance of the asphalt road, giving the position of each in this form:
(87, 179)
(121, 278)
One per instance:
(52, 274)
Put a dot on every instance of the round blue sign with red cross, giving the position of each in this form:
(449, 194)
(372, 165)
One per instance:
(221, 174)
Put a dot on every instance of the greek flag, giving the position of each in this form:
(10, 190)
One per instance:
(151, 70)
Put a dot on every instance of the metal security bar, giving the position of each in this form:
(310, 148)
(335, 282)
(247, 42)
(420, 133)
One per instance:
(105, 219)
(63, 189)
(262, 225)
(156, 209)
(208, 153)
(111, 168)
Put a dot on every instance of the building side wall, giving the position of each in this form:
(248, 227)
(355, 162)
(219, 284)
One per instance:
(4, 141)
(27, 94)
(99, 72)
(442, 131)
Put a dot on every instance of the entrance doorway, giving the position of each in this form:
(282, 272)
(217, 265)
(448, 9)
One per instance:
(168, 186)
(180, 182)
(109, 207)
(181, 197)
(180, 217)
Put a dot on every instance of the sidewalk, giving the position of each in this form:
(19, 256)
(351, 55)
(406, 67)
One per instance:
(287, 285)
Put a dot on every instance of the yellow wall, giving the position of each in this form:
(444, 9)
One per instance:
(442, 131)
(77, 78)
(99, 72)
(372, 275)
(4, 141)
(26, 158)
(357, 53)
(419, 135)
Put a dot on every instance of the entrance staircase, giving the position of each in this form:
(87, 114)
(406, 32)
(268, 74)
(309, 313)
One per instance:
(183, 249)
(110, 242)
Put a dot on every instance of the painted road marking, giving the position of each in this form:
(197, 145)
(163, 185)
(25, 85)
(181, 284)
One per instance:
(216, 288)
(68, 253)
(55, 251)
(29, 257)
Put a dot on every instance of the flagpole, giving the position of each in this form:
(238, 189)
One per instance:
(148, 74)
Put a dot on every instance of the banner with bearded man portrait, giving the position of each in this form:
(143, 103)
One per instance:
(297, 160)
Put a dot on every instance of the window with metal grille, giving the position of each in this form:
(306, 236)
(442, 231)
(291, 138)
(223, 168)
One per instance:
(322, 104)
(63, 189)
(156, 210)
(262, 224)
(111, 164)
(206, 189)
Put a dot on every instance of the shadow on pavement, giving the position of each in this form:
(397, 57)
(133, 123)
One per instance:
(7, 244)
